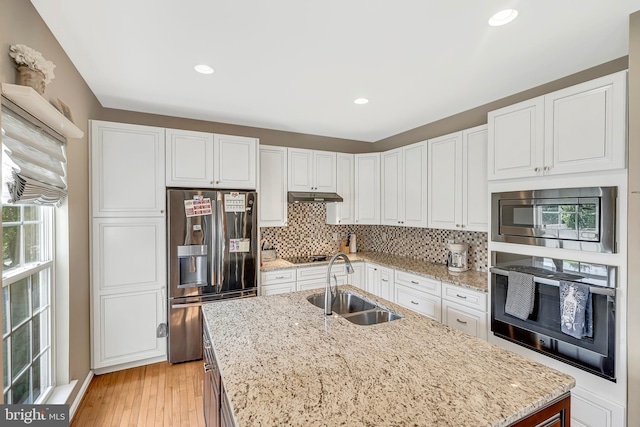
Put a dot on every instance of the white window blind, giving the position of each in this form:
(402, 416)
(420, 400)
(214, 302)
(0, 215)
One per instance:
(33, 163)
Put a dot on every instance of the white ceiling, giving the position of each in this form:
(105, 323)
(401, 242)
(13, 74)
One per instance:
(297, 65)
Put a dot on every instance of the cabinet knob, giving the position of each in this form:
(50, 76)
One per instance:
(161, 210)
(458, 225)
(536, 169)
(210, 182)
(546, 168)
(217, 182)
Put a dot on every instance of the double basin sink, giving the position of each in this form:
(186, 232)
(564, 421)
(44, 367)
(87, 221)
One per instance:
(355, 309)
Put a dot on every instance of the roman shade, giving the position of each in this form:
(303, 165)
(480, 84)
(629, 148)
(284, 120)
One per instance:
(33, 160)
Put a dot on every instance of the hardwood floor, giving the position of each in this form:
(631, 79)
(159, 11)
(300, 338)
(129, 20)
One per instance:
(154, 395)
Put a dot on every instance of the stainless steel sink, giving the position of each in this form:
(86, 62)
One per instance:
(343, 304)
(355, 309)
(372, 317)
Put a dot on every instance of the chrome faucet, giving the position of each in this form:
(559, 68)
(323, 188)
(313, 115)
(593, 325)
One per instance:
(328, 295)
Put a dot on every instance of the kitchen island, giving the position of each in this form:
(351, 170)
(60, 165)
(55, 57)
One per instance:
(282, 362)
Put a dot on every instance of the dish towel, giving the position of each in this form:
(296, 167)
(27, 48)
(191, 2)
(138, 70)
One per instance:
(576, 315)
(520, 295)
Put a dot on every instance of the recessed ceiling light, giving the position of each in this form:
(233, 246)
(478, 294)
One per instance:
(503, 17)
(203, 69)
(361, 101)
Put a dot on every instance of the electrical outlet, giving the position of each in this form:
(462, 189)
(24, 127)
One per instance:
(384, 237)
(335, 237)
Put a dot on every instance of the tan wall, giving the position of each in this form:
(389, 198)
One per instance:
(478, 115)
(267, 136)
(20, 23)
(633, 284)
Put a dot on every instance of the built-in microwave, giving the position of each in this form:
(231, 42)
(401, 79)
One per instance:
(570, 218)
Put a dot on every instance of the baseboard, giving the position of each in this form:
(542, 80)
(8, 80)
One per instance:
(121, 366)
(80, 395)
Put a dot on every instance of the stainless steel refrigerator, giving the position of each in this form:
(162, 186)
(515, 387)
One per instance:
(212, 244)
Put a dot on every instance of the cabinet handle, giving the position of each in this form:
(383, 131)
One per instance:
(413, 302)
(460, 321)
(384, 280)
(415, 283)
(281, 277)
(461, 296)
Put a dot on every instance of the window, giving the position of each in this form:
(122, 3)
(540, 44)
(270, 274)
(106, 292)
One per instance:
(27, 287)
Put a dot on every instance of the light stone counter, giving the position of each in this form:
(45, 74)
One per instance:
(283, 363)
(475, 280)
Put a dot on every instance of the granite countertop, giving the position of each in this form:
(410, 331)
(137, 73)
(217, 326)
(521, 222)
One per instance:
(475, 280)
(284, 363)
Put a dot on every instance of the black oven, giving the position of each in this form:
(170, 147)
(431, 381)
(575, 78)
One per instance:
(570, 218)
(541, 331)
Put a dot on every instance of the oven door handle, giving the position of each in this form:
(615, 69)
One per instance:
(593, 289)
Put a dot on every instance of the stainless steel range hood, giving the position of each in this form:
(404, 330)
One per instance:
(304, 197)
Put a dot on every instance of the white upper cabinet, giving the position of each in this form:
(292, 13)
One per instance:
(516, 135)
(458, 187)
(445, 179)
(475, 186)
(585, 126)
(391, 185)
(312, 170)
(273, 186)
(343, 213)
(404, 186)
(189, 158)
(578, 129)
(208, 160)
(367, 192)
(235, 162)
(127, 170)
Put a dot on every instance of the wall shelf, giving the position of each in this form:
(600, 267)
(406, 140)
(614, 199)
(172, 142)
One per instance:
(32, 102)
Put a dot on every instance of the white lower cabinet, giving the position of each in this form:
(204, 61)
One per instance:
(379, 281)
(590, 410)
(357, 278)
(277, 281)
(128, 327)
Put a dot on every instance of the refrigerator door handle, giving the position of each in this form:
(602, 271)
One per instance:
(221, 236)
(187, 305)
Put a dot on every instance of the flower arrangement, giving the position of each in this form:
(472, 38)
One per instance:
(25, 56)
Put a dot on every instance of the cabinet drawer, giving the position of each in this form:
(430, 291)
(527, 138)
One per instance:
(278, 276)
(320, 283)
(424, 284)
(465, 319)
(464, 296)
(306, 273)
(279, 288)
(418, 301)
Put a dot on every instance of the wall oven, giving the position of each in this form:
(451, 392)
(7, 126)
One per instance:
(541, 331)
(570, 218)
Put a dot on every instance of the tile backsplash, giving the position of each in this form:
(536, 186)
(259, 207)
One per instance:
(308, 234)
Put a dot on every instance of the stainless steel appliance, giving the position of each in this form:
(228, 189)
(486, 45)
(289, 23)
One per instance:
(571, 218)
(542, 331)
(212, 255)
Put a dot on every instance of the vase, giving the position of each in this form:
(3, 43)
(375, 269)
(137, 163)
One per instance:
(32, 78)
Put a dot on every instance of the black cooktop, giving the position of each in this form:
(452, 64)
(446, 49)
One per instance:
(308, 259)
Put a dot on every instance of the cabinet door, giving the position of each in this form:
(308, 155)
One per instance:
(386, 283)
(300, 169)
(516, 140)
(189, 159)
(324, 168)
(273, 186)
(357, 278)
(373, 279)
(415, 185)
(127, 170)
(475, 187)
(235, 162)
(585, 126)
(391, 184)
(367, 194)
(445, 182)
(125, 326)
(128, 253)
(343, 213)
